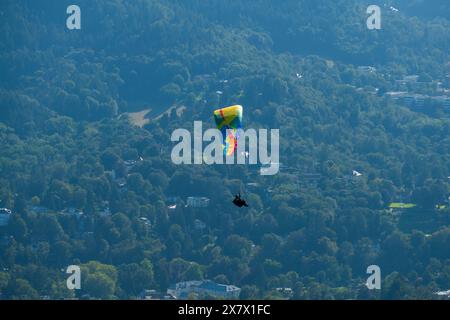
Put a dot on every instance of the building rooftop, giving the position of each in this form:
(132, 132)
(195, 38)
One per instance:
(5, 211)
(204, 284)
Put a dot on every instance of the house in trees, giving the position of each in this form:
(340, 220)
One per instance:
(182, 290)
(73, 212)
(197, 202)
(104, 209)
(129, 164)
(199, 225)
(5, 215)
(38, 209)
(154, 295)
(443, 295)
(253, 186)
(309, 178)
(366, 69)
(285, 292)
(443, 101)
(172, 202)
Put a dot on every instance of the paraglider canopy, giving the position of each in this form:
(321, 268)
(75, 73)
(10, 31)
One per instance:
(228, 120)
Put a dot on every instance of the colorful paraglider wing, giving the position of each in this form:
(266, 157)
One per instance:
(228, 121)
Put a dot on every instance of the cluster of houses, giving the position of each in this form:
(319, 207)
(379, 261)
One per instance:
(416, 100)
(286, 293)
(102, 208)
(203, 288)
(194, 289)
(406, 90)
(191, 202)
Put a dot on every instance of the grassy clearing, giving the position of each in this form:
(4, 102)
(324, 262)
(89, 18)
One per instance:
(139, 118)
(400, 205)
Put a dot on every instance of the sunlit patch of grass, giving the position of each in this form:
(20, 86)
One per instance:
(400, 205)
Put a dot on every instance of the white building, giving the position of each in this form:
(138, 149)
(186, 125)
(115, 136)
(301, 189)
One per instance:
(197, 202)
(182, 290)
(442, 100)
(154, 295)
(367, 69)
(443, 294)
(287, 292)
(411, 78)
(129, 164)
(73, 212)
(146, 222)
(5, 215)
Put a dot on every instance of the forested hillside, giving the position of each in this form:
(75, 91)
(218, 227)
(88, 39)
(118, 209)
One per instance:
(87, 186)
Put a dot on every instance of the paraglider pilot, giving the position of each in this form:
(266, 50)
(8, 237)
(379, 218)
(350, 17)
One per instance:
(239, 202)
